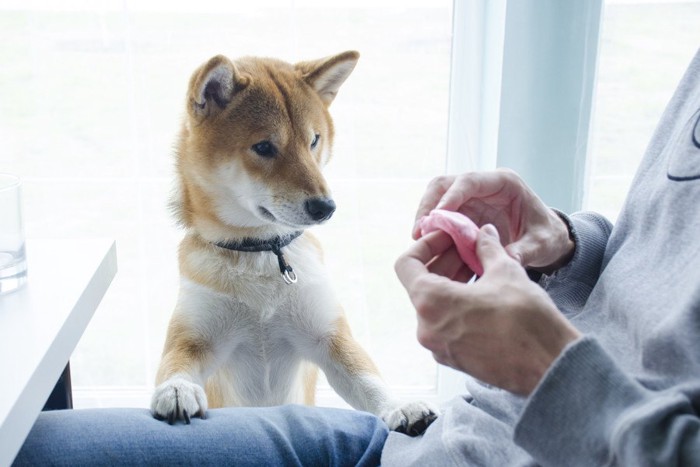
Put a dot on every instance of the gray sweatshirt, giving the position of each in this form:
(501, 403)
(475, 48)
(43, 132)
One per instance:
(628, 393)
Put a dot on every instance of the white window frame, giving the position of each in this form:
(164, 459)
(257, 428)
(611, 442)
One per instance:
(521, 96)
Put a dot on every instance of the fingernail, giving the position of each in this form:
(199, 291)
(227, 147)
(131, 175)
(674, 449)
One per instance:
(490, 230)
(417, 231)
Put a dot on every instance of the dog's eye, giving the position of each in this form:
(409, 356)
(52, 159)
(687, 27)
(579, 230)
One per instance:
(264, 149)
(315, 141)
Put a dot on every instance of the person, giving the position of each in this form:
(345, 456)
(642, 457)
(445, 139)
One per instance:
(581, 341)
(596, 363)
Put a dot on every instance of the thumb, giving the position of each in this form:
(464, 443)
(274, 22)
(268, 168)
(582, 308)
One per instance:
(521, 251)
(488, 246)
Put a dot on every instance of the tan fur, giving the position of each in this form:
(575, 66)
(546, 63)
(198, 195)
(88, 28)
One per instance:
(276, 97)
(241, 335)
(186, 351)
(214, 394)
(310, 379)
(348, 352)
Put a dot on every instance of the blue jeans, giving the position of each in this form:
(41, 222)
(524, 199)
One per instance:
(272, 436)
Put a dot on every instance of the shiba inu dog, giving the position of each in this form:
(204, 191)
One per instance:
(256, 315)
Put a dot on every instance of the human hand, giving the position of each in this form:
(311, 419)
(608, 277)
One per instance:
(462, 230)
(502, 329)
(533, 234)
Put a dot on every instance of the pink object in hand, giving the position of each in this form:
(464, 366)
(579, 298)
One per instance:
(462, 230)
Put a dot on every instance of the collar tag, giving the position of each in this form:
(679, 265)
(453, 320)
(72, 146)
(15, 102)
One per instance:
(274, 245)
(289, 276)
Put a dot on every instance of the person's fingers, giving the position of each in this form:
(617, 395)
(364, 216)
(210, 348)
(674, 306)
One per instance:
(417, 232)
(433, 193)
(488, 246)
(463, 275)
(447, 264)
(473, 185)
(458, 193)
(413, 262)
(480, 185)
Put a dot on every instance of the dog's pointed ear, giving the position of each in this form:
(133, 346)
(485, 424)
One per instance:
(328, 74)
(212, 87)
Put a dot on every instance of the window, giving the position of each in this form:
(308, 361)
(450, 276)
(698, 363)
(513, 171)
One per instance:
(90, 102)
(90, 105)
(645, 48)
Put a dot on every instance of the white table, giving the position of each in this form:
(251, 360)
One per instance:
(41, 323)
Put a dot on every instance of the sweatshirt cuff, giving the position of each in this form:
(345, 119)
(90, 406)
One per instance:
(572, 284)
(569, 417)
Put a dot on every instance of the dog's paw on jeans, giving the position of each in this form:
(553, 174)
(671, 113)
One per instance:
(178, 399)
(411, 418)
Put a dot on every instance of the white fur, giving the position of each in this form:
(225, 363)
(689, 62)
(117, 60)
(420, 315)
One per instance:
(238, 198)
(266, 330)
(254, 335)
(179, 395)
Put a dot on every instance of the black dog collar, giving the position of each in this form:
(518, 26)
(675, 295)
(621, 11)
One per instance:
(275, 245)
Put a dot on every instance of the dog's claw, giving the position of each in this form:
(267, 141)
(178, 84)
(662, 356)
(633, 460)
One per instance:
(421, 425)
(178, 400)
(418, 428)
(402, 428)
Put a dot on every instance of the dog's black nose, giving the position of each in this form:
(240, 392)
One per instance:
(320, 209)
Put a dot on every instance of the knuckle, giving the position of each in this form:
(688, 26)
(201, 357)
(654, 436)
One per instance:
(441, 181)
(424, 338)
(510, 175)
(466, 176)
(439, 186)
(427, 338)
(423, 303)
(465, 179)
(441, 358)
(399, 263)
(507, 172)
(426, 298)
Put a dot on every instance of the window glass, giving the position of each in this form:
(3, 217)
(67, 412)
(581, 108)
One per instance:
(91, 99)
(645, 48)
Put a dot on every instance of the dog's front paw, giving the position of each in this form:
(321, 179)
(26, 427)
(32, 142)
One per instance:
(178, 399)
(412, 418)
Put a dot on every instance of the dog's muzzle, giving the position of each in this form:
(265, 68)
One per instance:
(320, 209)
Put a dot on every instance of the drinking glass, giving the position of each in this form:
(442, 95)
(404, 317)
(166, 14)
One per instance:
(13, 261)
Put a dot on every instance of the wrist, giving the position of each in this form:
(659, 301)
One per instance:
(557, 333)
(565, 239)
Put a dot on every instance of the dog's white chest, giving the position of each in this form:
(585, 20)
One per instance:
(264, 357)
(261, 337)
(263, 328)
(266, 369)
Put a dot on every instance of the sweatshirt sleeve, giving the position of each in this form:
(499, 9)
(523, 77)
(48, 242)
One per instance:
(570, 286)
(586, 411)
